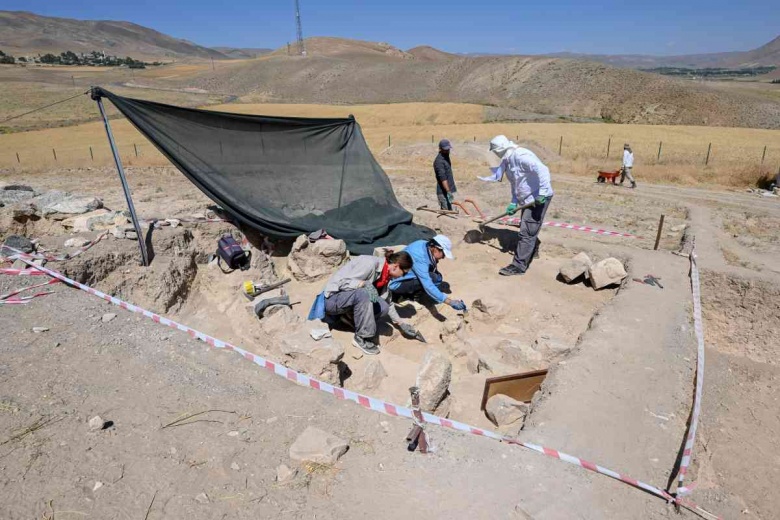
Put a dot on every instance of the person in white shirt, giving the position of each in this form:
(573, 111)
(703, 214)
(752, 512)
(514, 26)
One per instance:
(628, 163)
(532, 191)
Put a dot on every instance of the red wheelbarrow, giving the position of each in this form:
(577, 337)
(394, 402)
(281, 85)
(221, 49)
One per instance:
(605, 176)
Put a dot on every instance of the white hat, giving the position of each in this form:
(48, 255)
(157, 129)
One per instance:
(500, 145)
(445, 244)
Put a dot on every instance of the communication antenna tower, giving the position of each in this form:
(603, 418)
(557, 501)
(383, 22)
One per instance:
(301, 47)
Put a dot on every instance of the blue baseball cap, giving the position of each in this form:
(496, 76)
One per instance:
(445, 144)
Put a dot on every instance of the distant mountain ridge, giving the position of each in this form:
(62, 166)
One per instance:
(24, 33)
(766, 55)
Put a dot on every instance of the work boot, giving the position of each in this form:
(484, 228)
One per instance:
(633, 185)
(510, 270)
(366, 345)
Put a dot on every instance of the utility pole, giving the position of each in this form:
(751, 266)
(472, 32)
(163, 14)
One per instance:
(301, 47)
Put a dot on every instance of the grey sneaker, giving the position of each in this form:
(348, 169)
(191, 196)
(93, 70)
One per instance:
(366, 345)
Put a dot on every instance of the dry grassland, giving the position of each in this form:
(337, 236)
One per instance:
(735, 157)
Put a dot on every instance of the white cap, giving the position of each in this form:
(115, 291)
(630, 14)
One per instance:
(445, 244)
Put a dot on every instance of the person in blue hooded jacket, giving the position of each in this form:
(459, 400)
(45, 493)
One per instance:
(424, 275)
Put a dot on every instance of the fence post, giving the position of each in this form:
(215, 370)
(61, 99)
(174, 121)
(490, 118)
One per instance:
(560, 146)
(136, 149)
(388, 140)
(763, 155)
(91, 155)
(475, 138)
(17, 158)
(609, 142)
(660, 143)
(54, 152)
(431, 138)
(658, 236)
(707, 159)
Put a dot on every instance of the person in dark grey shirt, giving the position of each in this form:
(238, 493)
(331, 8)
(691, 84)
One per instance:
(445, 182)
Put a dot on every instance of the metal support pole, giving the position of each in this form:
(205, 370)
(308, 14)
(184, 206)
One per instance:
(658, 236)
(125, 187)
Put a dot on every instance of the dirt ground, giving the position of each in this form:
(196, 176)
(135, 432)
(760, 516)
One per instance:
(619, 390)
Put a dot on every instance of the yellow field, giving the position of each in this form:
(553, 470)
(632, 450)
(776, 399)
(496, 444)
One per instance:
(735, 156)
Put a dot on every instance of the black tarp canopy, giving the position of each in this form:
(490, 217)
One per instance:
(283, 176)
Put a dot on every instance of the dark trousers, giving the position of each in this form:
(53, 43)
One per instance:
(412, 286)
(444, 202)
(364, 312)
(530, 224)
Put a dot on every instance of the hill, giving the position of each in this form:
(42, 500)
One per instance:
(766, 55)
(346, 48)
(427, 53)
(238, 53)
(346, 71)
(23, 33)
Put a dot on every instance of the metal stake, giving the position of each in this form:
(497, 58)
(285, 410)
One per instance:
(125, 187)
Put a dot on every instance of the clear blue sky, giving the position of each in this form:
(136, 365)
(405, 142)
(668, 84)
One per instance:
(499, 26)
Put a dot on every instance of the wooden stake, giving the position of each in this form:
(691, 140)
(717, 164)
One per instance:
(54, 152)
(91, 155)
(560, 146)
(17, 158)
(763, 156)
(136, 149)
(658, 236)
(660, 143)
(707, 159)
(609, 142)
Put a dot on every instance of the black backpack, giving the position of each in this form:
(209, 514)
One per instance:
(231, 252)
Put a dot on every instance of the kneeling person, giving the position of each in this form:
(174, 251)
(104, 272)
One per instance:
(424, 276)
(355, 289)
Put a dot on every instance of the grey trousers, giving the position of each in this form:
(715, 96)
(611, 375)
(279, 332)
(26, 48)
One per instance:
(364, 312)
(625, 173)
(444, 202)
(530, 223)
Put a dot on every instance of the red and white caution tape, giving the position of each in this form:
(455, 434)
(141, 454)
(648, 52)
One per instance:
(10, 295)
(515, 221)
(22, 272)
(371, 403)
(698, 328)
(52, 258)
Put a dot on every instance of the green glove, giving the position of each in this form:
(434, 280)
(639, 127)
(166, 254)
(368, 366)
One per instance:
(511, 209)
(450, 197)
(373, 295)
(540, 200)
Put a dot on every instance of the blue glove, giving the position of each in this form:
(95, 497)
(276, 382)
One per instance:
(458, 305)
(511, 209)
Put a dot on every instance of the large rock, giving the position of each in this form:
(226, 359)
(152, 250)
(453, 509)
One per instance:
(433, 379)
(607, 272)
(278, 318)
(48, 198)
(517, 354)
(19, 242)
(502, 410)
(575, 267)
(309, 262)
(319, 359)
(8, 197)
(490, 308)
(96, 221)
(475, 363)
(315, 445)
(72, 206)
(371, 376)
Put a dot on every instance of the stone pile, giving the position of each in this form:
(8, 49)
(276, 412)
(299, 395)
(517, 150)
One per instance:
(604, 273)
(312, 261)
